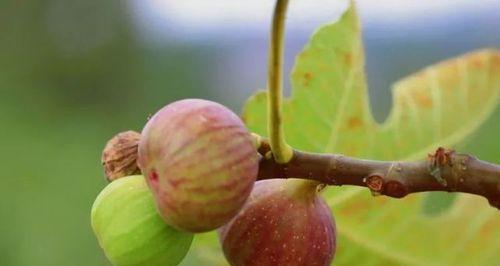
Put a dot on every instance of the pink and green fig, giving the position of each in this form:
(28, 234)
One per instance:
(200, 163)
(284, 222)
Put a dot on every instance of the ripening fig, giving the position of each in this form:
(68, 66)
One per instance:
(130, 230)
(200, 163)
(284, 222)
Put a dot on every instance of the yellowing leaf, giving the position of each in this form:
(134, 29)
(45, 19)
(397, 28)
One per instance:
(441, 105)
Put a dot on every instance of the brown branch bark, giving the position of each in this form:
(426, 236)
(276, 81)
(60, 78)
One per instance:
(442, 171)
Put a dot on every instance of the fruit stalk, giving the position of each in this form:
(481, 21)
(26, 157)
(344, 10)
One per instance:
(282, 152)
(442, 171)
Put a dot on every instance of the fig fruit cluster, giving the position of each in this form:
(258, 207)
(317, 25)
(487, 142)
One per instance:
(199, 168)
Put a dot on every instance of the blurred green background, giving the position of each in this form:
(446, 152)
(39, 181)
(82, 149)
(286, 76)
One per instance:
(74, 73)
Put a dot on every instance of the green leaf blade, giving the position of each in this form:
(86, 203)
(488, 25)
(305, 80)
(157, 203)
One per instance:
(441, 105)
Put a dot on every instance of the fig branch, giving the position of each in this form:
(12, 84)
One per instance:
(281, 150)
(444, 170)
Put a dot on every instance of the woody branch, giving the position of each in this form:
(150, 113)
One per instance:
(441, 171)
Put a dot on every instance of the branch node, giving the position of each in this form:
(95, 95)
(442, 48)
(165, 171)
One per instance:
(441, 157)
(437, 161)
(395, 189)
(375, 183)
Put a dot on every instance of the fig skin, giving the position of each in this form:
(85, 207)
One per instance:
(129, 229)
(284, 222)
(200, 163)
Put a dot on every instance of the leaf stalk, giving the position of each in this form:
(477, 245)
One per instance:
(282, 152)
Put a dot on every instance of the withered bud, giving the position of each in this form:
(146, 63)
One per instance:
(119, 157)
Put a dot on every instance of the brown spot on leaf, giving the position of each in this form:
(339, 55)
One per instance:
(494, 66)
(354, 123)
(447, 77)
(307, 79)
(488, 229)
(422, 98)
(495, 60)
(348, 58)
(477, 62)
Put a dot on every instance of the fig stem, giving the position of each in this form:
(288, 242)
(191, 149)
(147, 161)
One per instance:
(282, 152)
(460, 172)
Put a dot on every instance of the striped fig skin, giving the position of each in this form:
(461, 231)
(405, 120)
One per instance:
(200, 163)
(284, 222)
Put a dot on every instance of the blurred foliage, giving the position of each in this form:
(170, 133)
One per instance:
(60, 100)
(72, 74)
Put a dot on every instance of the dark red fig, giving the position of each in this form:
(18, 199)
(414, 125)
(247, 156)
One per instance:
(284, 222)
(200, 163)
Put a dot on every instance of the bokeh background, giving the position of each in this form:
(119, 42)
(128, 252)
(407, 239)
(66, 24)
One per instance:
(75, 72)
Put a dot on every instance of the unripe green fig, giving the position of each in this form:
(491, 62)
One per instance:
(283, 223)
(129, 229)
(200, 163)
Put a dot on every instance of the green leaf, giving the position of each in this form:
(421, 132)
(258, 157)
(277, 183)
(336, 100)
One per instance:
(438, 106)
(437, 203)
(205, 250)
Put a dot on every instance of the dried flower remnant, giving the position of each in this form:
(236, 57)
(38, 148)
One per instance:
(119, 157)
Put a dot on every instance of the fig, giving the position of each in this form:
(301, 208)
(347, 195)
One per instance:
(284, 222)
(130, 230)
(200, 163)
